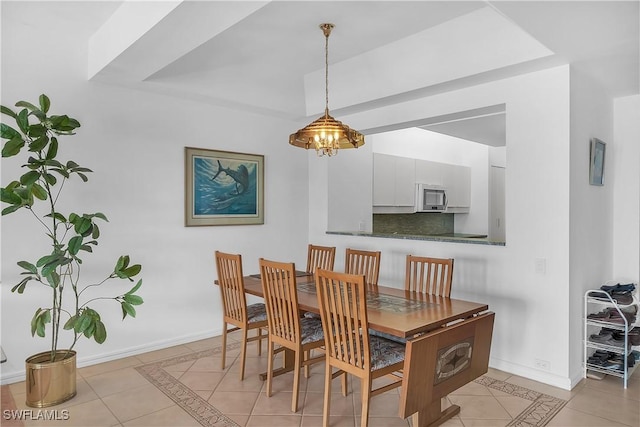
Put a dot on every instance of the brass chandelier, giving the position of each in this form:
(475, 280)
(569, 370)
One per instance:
(326, 134)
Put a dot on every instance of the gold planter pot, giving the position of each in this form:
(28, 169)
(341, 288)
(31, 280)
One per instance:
(50, 383)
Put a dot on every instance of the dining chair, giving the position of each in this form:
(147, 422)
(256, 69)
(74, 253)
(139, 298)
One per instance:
(320, 257)
(287, 328)
(363, 262)
(429, 275)
(348, 346)
(235, 309)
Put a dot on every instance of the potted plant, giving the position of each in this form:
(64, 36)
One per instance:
(70, 237)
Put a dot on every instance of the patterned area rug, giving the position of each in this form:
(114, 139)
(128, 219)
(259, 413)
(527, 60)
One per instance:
(542, 409)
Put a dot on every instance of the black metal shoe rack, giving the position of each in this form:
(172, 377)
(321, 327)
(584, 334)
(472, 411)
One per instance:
(599, 300)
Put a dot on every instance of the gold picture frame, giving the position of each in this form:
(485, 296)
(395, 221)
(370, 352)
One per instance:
(223, 188)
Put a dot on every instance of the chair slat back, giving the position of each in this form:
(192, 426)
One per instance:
(231, 283)
(281, 300)
(363, 262)
(320, 257)
(429, 275)
(343, 310)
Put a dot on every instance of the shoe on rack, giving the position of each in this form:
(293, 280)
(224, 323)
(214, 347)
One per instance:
(618, 287)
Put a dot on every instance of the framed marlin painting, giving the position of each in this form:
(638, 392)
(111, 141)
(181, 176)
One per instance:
(223, 187)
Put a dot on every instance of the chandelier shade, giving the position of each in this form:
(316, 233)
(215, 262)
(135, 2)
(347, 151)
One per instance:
(326, 135)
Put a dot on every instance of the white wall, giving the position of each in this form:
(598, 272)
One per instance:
(591, 212)
(624, 161)
(503, 276)
(436, 147)
(134, 142)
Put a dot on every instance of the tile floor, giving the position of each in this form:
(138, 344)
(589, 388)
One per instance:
(117, 394)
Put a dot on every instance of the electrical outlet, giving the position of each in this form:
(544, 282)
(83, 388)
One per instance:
(542, 364)
(540, 265)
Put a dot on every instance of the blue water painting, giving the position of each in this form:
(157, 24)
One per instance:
(224, 187)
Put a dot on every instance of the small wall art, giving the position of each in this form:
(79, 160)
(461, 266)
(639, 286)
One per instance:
(596, 164)
(223, 187)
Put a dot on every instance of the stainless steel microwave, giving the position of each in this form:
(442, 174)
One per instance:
(431, 198)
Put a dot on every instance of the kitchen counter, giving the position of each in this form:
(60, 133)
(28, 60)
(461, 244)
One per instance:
(477, 239)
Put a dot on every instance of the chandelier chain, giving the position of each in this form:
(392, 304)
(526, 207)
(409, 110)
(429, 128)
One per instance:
(326, 72)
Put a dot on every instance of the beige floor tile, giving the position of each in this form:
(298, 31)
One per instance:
(239, 419)
(277, 404)
(453, 422)
(206, 344)
(568, 417)
(285, 382)
(385, 422)
(341, 406)
(497, 374)
(116, 381)
(169, 417)
(274, 421)
(207, 364)
(514, 405)
(137, 402)
(204, 394)
(472, 389)
(485, 423)
(542, 388)
(382, 405)
(234, 402)
(316, 421)
(315, 383)
(606, 405)
(179, 367)
(479, 407)
(113, 365)
(615, 385)
(231, 382)
(165, 353)
(201, 380)
(88, 414)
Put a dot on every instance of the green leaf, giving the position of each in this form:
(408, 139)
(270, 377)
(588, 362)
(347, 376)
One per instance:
(95, 233)
(127, 309)
(38, 191)
(53, 279)
(101, 216)
(44, 103)
(82, 226)
(37, 130)
(74, 244)
(135, 288)
(133, 299)
(132, 271)
(39, 143)
(9, 196)
(83, 322)
(52, 152)
(100, 334)
(13, 146)
(86, 248)
(70, 323)
(51, 180)
(23, 120)
(47, 259)
(7, 132)
(27, 105)
(58, 216)
(8, 111)
(83, 177)
(10, 209)
(71, 164)
(122, 263)
(23, 283)
(28, 266)
(29, 177)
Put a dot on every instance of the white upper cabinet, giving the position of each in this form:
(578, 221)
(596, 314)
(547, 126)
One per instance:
(457, 180)
(393, 181)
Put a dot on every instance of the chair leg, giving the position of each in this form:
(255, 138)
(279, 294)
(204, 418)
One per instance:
(327, 394)
(345, 384)
(269, 367)
(260, 342)
(307, 356)
(365, 385)
(296, 380)
(243, 353)
(224, 342)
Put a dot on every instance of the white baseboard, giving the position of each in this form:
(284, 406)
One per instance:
(19, 375)
(548, 378)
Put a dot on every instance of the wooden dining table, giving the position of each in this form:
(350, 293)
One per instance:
(436, 328)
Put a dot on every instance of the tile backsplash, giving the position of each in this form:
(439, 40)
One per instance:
(416, 223)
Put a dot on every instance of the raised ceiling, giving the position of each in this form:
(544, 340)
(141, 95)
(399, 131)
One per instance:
(268, 57)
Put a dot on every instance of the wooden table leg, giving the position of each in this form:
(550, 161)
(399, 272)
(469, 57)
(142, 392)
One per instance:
(433, 415)
(287, 366)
